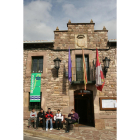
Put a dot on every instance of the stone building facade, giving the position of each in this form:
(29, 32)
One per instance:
(57, 92)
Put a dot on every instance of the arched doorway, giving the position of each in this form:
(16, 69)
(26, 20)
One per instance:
(84, 106)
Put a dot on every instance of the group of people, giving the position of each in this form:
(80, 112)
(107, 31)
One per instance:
(48, 117)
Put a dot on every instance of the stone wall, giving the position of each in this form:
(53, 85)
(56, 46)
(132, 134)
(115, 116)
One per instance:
(56, 89)
(57, 93)
(107, 118)
(66, 39)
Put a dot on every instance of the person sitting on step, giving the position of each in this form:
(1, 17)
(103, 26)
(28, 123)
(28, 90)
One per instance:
(41, 117)
(49, 116)
(33, 116)
(58, 118)
(74, 116)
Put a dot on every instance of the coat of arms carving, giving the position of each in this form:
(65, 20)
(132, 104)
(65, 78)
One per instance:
(81, 41)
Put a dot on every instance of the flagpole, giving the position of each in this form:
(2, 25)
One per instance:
(72, 74)
(69, 68)
(99, 73)
(84, 69)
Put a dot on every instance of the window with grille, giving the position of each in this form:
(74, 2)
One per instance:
(79, 67)
(37, 64)
(36, 105)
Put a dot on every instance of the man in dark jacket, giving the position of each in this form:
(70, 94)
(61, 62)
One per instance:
(74, 116)
(41, 117)
(49, 117)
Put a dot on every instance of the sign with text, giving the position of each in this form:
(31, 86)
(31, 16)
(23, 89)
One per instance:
(85, 91)
(35, 87)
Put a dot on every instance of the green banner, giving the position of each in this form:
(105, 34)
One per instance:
(35, 87)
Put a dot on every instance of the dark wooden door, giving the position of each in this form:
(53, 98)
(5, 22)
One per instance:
(84, 106)
(81, 109)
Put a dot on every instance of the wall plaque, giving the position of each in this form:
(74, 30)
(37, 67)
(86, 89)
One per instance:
(108, 103)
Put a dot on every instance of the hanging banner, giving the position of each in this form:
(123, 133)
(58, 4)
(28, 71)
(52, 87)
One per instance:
(35, 87)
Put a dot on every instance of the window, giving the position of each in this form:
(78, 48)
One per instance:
(79, 67)
(37, 64)
(36, 105)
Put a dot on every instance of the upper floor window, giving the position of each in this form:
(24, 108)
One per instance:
(79, 67)
(37, 64)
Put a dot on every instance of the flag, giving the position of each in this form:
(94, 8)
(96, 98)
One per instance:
(69, 67)
(84, 69)
(99, 73)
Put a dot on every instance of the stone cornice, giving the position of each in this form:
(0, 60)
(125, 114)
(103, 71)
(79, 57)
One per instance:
(100, 30)
(60, 30)
(79, 24)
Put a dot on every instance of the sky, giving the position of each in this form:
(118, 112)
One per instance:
(41, 17)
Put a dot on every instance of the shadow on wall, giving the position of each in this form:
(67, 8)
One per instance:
(64, 80)
(54, 73)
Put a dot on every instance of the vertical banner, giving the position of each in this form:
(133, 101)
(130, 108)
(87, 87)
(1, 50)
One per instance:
(35, 87)
(69, 67)
(84, 69)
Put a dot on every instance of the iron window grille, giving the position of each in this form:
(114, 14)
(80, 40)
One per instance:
(35, 105)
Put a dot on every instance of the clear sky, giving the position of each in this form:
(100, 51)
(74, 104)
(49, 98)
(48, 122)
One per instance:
(41, 17)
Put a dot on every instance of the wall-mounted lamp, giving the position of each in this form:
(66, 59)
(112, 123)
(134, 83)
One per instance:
(106, 65)
(57, 64)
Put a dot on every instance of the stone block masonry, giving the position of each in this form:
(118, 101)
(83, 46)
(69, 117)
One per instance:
(57, 93)
(64, 40)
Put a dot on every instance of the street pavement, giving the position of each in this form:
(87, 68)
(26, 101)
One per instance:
(27, 137)
(83, 133)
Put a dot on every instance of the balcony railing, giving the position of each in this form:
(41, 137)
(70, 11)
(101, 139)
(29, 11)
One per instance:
(77, 74)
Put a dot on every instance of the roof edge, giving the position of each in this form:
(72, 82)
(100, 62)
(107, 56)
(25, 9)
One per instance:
(79, 24)
(112, 40)
(60, 30)
(100, 30)
(38, 42)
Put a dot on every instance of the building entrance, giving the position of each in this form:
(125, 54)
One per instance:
(83, 103)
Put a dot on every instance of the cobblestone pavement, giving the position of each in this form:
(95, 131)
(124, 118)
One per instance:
(28, 137)
(84, 133)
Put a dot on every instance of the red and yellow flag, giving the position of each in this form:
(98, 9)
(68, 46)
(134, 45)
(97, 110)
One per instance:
(99, 73)
(84, 69)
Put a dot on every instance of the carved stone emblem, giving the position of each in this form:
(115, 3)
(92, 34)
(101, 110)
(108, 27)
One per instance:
(81, 41)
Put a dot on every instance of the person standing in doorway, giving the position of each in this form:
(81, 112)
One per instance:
(74, 116)
(41, 117)
(33, 116)
(49, 117)
(58, 118)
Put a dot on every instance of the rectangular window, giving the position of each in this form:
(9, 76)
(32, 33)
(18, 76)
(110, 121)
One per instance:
(37, 64)
(79, 67)
(36, 105)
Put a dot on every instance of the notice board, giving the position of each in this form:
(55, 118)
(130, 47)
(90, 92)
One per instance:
(108, 103)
